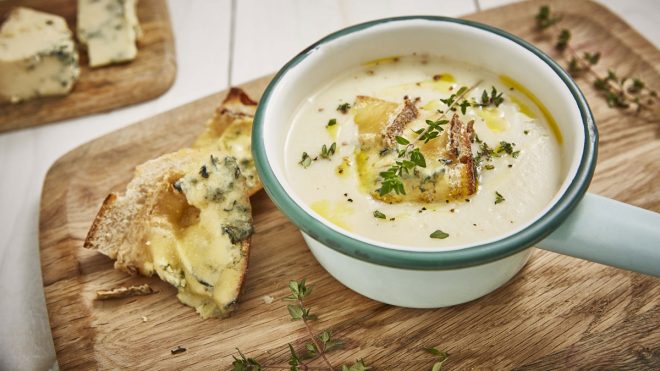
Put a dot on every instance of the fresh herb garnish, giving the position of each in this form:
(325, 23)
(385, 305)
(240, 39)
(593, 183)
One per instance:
(359, 365)
(440, 355)
(391, 180)
(494, 99)
(319, 345)
(379, 215)
(344, 107)
(499, 198)
(505, 147)
(439, 235)
(326, 152)
(464, 105)
(545, 18)
(332, 122)
(305, 161)
(563, 39)
(618, 92)
(433, 130)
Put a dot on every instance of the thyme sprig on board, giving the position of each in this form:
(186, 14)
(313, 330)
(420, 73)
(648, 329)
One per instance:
(319, 345)
(618, 92)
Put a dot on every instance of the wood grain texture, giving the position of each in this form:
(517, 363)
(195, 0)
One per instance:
(558, 312)
(105, 88)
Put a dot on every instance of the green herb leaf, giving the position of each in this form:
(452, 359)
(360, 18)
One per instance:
(636, 87)
(545, 18)
(332, 122)
(326, 152)
(417, 158)
(449, 101)
(245, 364)
(439, 235)
(494, 99)
(379, 215)
(464, 105)
(504, 147)
(563, 39)
(295, 311)
(441, 357)
(344, 107)
(499, 198)
(294, 360)
(401, 140)
(305, 161)
(359, 365)
(592, 58)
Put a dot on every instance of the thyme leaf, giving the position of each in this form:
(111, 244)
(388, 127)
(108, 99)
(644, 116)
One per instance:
(499, 198)
(438, 234)
(344, 107)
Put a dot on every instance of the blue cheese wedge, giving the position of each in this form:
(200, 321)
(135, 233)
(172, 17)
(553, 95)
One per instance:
(38, 57)
(109, 29)
(186, 217)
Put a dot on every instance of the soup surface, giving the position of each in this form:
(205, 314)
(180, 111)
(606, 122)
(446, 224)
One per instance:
(422, 151)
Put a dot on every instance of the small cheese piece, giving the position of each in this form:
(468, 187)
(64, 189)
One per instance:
(37, 56)
(109, 29)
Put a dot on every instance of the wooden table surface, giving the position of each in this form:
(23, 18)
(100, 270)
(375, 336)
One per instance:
(218, 43)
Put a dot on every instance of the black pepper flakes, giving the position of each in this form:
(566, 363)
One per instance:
(350, 200)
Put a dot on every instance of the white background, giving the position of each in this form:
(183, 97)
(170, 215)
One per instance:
(218, 43)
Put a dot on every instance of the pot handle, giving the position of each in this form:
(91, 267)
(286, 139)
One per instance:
(609, 232)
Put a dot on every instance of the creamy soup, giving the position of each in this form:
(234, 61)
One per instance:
(423, 151)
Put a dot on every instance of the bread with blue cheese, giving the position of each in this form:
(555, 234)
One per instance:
(185, 216)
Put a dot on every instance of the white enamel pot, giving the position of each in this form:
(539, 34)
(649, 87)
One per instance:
(573, 223)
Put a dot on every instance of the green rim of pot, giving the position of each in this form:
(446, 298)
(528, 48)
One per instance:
(431, 260)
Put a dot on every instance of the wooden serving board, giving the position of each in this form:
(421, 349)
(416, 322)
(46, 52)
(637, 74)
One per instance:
(559, 312)
(104, 88)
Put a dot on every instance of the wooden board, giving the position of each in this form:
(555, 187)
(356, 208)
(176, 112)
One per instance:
(559, 312)
(101, 89)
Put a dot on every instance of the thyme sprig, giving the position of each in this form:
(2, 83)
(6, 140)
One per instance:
(319, 345)
(326, 153)
(618, 92)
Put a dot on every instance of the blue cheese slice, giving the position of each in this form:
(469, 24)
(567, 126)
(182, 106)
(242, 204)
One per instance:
(109, 29)
(37, 56)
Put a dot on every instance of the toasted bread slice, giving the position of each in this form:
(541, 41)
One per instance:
(230, 131)
(449, 172)
(185, 216)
